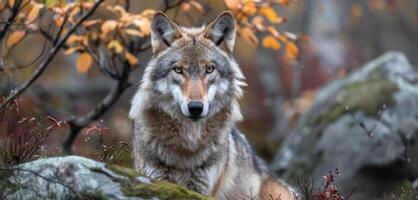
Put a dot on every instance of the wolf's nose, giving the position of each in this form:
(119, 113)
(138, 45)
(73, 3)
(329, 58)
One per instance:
(195, 108)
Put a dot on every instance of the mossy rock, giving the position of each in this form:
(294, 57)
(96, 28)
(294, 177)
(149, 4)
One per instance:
(358, 124)
(74, 177)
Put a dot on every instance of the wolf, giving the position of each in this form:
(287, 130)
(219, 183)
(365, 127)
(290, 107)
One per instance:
(185, 112)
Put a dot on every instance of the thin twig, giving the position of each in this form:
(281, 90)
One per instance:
(78, 123)
(50, 57)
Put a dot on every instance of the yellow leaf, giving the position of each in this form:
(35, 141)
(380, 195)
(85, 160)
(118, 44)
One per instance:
(15, 38)
(148, 12)
(259, 23)
(283, 2)
(197, 5)
(58, 21)
(72, 50)
(273, 31)
(269, 13)
(84, 63)
(271, 43)
(134, 32)
(131, 58)
(73, 39)
(115, 45)
(292, 50)
(249, 8)
(248, 35)
(108, 26)
(34, 13)
(11, 3)
(185, 7)
(144, 25)
(88, 23)
(232, 4)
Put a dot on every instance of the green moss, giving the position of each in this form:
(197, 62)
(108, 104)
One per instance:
(124, 159)
(368, 96)
(94, 195)
(123, 171)
(403, 191)
(162, 190)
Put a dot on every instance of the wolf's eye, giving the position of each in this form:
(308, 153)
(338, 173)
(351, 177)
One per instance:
(178, 70)
(210, 69)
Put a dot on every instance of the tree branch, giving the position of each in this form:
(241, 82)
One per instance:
(15, 11)
(51, 55)
(78, 123)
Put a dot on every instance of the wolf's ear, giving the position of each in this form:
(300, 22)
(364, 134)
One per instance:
(222, 30)
(163, 32)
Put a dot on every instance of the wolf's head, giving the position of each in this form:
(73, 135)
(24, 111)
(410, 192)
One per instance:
(192, 72)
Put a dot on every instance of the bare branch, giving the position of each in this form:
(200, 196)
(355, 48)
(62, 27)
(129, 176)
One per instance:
(50, 56)
(78, 123)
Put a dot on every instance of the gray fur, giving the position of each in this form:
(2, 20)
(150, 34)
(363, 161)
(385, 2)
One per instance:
(198, 154)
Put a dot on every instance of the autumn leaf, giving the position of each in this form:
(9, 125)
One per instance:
(248, 35)
(271, 43)
(15, 38)
(258, 23)
(72, 50)
(84, 63)
(115, 46)
(133, 32)
(232, 4)
(144, 25)
(269, 13)
(283, 2)
(197, 5)
(131, 58)
(73, 39)
(108, 26)
(34, 13)
(185, 7)
(249, 8)
(292, 50)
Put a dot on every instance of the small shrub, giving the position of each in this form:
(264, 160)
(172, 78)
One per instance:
(22, 138)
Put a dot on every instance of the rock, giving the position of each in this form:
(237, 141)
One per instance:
(364, 125)
(74, 177)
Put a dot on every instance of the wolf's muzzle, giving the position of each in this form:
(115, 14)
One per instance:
(195, 108)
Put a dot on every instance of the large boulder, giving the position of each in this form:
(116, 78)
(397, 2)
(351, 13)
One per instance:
(365, 125)
(74, 177)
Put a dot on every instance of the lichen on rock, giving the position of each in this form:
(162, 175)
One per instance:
(74, 177)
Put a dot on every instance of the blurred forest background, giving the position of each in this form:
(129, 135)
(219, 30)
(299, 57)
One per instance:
(288, 51)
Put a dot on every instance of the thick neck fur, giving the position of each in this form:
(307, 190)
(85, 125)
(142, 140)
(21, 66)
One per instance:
(177, 141)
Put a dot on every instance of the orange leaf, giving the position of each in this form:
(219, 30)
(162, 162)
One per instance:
(259, 23)
(73, 39)
(249, 8)
(108, 26)
(271, 43)
(269, 13)
(232, 4)
(273, 31)
(72, 50)
(131, 58)
(116, 46)
(84, 63)
(292, 50)
(248, 35)
(144, 25)
(283, 2)
(34, 13)
(197, 5)
(185, 7)
(134, 32)
(15, 38)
